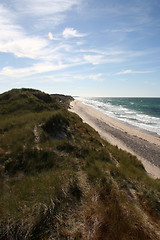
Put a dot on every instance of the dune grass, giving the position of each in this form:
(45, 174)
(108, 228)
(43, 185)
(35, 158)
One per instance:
(60, 180)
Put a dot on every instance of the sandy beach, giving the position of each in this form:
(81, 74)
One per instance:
(145, 145)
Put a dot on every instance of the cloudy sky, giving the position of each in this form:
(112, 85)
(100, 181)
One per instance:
(81, 47)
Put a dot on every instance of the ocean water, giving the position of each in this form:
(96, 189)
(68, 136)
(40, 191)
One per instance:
(143, 113)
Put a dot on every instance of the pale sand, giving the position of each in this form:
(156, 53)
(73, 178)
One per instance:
(144, 145)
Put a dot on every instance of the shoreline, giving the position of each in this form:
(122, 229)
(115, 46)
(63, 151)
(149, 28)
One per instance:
(143, 144)
(131, 126)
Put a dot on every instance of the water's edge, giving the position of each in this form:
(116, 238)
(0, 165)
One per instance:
(123, 110)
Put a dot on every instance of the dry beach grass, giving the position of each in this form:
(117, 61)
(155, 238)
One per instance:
(60, 180)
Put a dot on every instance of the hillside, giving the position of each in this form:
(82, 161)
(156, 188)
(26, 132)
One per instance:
(60, 180)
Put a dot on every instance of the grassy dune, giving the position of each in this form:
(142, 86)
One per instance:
(60, 180)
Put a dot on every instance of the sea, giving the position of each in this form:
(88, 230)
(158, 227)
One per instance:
(143, 113)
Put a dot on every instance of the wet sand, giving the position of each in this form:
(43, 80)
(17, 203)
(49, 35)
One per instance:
(145, 145)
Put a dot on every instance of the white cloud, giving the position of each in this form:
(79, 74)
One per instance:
(125, 30)
(71, 32)
(52, 78)
(125, 72)
(45, 7)
(96, 77)
(101, 59)
(30, 47)
(45, 11)
(113, 54)
(79, 43)
(129, 71)
(13, 39)
(50, 35)
(85, 77)
(35, 69)
(94, 59)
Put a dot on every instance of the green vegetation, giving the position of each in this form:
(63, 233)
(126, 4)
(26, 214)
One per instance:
(60, 180)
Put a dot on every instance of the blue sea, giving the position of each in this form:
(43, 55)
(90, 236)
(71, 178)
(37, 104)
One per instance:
(142, 113)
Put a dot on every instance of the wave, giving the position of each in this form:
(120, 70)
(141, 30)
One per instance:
(129, 116)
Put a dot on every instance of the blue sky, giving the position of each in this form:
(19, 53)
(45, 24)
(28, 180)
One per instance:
(81, 47)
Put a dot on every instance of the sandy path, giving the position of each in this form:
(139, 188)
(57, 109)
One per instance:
(144, 145)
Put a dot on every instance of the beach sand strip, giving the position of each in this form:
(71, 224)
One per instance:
(144, 145)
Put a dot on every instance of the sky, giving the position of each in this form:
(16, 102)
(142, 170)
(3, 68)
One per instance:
(81, 47)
